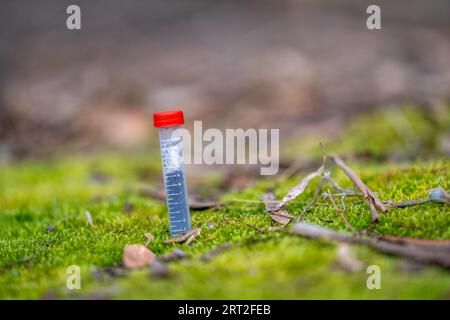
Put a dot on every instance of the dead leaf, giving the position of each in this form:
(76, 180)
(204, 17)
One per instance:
(187, 236)
(298, 189)
(281, 216)
(273, 208)
(137, 256)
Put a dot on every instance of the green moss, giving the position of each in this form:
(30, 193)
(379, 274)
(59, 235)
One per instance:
(33, 261)
(287, 268)
(389, 132)
(37, 195)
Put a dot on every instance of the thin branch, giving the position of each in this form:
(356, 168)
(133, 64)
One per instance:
(421, 253)
(311, 203)
(341, 214)
(373, 200)
(254, 201)
(344, 191)
(429, 243)
(340, 195)
(409, 203)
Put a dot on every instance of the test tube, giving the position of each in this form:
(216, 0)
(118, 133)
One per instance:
(172, 155)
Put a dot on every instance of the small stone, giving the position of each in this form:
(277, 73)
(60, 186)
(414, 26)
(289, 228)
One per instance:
(137, 256)
(438, 195)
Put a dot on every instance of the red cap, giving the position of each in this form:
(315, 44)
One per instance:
(168, 118)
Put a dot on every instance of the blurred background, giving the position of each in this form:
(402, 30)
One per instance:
(307, 67)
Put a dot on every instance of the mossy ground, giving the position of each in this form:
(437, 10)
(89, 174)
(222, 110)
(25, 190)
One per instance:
(277, 265)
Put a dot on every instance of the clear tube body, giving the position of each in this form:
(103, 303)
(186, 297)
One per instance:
(172, 156)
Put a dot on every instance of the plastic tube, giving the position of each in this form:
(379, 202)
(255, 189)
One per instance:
(172, 156)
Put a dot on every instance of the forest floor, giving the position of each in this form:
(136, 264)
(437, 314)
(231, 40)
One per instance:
(44, 228)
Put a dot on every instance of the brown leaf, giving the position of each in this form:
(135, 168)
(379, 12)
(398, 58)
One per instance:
(281, 216)
(298, 189)
(137, 256)
(273, 208)
(187, 236)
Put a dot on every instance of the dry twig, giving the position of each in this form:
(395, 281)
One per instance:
(313, 200)
(373, 200)
(434, 195)
(341, 214)
(436, 254)
(186, 237)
